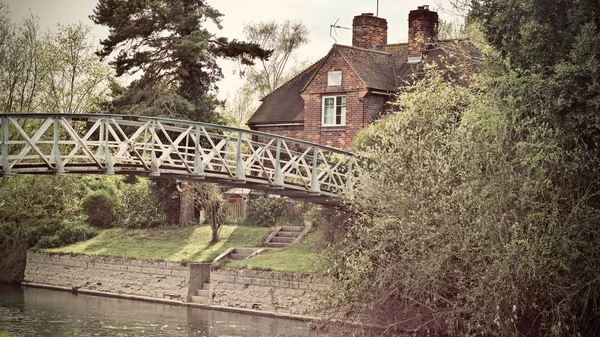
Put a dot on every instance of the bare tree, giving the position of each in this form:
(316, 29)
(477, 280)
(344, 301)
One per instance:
(21, 66)
(283, 39)
(54, 72)
(77, 80)
(241, 106)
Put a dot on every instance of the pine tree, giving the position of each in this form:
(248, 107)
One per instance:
(166, 42)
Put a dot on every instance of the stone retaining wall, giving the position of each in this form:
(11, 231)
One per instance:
(266, 290)
(162, 280)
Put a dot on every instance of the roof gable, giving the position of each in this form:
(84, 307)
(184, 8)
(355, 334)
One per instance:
(375, 69)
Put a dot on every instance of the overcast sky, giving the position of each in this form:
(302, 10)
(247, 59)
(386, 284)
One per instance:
(317, 15)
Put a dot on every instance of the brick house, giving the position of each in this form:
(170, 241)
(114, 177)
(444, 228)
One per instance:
(333, 99)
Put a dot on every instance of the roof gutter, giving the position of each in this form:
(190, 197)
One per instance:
(385, 93)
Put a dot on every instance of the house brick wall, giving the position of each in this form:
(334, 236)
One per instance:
(296, 132)
(373, 105)
(354, 89)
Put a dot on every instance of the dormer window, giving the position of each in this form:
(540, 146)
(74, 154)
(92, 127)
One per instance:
(334, 78)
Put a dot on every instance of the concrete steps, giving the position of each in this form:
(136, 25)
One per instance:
(202, 292)
(284, 236)
(241, 253)
(283, 239)
(202, 295)
(200, 300)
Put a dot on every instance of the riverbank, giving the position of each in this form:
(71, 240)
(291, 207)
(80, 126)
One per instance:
(192, 245)
(304, 318)
(269, 293)
(174, 265)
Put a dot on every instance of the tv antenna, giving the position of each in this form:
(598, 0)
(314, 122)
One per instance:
(377, 9)
(332, 30)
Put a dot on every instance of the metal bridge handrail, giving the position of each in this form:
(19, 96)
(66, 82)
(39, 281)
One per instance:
(173, 120)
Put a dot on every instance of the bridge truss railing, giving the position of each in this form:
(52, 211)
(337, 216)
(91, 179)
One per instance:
(109, 144)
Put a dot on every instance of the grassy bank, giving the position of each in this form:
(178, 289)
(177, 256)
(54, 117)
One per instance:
(301, 257)
(191, 244)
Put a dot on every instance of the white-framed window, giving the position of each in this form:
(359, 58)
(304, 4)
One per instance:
(334, 78)
(334, 111)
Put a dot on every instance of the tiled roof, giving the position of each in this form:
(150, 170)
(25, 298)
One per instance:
(285, 105)
(375, 68)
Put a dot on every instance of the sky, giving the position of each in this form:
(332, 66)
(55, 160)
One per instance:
(317, 15)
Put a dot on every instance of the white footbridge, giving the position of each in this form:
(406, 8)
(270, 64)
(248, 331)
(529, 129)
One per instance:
(38, 143)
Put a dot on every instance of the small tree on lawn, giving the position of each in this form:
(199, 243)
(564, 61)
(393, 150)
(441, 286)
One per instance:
(209, 198)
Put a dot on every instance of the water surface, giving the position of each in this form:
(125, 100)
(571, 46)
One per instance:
(41, 312)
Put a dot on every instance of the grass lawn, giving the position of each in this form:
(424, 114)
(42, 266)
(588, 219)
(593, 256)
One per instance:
(301, 257)
(190, 244)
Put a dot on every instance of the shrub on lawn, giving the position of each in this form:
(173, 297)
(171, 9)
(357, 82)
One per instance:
(100, 207)
(265, 211)
(48, 241)
(75, 230)
(140, 207)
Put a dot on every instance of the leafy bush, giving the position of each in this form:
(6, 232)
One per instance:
(41, 197)
(101, 209)
(265, 211)
(75, 230)
(140, 207)
(49, 241)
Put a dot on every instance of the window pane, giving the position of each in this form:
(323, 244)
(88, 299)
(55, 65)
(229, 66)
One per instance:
(338, 115)
(329, 102)
(329, 115)
(328, 111)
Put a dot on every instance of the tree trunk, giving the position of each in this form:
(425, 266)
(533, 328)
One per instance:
(186, 206)
(214, 224)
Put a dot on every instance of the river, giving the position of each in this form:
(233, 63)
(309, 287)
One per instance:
(27, 311)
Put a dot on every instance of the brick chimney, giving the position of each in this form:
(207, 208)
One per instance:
(422, 30)
(368, 31)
